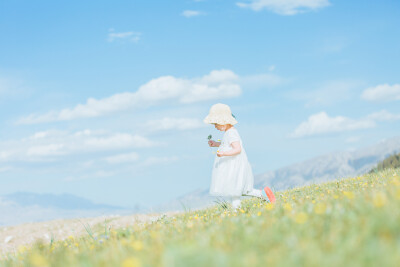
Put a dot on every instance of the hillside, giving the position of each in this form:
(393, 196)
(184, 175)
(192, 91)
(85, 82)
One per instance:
(393, 161)
(351, 222)
(319, 169)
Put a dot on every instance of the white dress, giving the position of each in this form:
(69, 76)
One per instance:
(232, 175)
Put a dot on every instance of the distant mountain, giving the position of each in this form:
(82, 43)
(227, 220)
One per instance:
(319, 169)
(64, 201)
(23, 207)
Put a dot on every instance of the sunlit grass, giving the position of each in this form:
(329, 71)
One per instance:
(351, 222)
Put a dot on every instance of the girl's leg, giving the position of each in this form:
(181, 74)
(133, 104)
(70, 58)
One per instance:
(254, 193)
(236, 202)
(266, 194)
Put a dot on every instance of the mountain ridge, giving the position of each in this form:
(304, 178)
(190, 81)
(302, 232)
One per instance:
(26, 207)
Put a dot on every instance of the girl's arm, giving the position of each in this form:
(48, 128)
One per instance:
(236, 149)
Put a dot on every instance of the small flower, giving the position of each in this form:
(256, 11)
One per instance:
(259, 213)
(287, 207)
(320, 208)
(380, 200)
(22, 249)
(269, 206)
(137, 245)
(38, 260)
(301, 218)
(131, 262)
(349, 195)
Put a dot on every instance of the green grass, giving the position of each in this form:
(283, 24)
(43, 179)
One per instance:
(351, 222)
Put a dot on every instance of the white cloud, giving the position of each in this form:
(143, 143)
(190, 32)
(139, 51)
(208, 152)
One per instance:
(321, 123)
(95, 175)
(5, 169)
(352, 139)
(3, 86)
(219, 84)
(123, 36)
(117, 140)
(285, 7)
(159, 160)
(45, 150)
(13, 87)
(174, 124)
(123, 158)
(384, 115)
(191, 13)
(327, 94)
(383, 92)
(52, 144)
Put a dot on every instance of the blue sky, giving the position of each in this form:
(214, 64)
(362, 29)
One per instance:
(105, 100)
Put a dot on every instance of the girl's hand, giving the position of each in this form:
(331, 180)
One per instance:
(212, 143)
(220, 153)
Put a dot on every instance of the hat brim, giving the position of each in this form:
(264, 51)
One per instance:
(221, 120)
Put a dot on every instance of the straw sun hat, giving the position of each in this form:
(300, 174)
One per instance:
(220, 114)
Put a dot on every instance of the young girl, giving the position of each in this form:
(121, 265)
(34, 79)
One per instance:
(232, 175)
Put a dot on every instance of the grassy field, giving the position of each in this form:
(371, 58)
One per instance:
(350, 222)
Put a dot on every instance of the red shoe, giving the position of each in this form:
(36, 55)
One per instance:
(268, 194)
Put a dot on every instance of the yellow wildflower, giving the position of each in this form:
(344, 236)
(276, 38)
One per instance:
(269, 206)
(301, 218)
(131, 262)
(379, 199)
(287, 207)
(137, 245)
(396, 182)
(259, 213)
(38, 260)
(22, 249)
(320, 208)
(348, 194)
